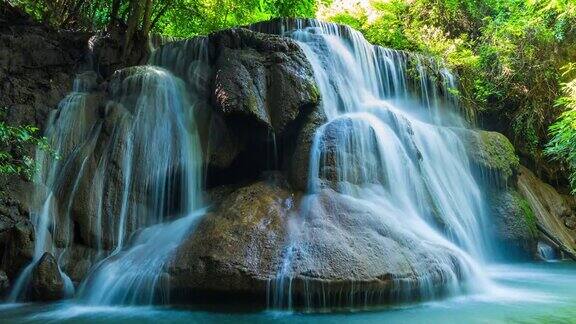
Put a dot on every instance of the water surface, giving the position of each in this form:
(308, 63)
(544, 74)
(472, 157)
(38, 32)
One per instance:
(529, 293)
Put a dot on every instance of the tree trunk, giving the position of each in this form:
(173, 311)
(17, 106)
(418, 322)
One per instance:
(147, 18)
(133, 22)
(115, 9)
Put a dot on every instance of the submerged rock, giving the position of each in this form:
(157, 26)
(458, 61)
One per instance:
(47, 283)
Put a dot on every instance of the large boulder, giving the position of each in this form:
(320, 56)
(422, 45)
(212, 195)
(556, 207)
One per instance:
(261, 77)
(236, 248)
(47, 283)
(347, 245)
(251, 92)
(261, 234)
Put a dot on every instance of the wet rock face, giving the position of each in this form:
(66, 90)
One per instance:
(497, 166)
(240, 248)
(343, 158)
(4, 283)
(514, 224)
(37, 67)
(264, 78)
(47, 283)
(553, 212)
(299, 168)
(16, 237)
(237, 247)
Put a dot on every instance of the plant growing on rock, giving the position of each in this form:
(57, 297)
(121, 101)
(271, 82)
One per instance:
(16, 143)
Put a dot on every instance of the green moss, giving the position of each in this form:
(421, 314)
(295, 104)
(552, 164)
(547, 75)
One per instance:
(497, 154)
(528, 213)
(314, 91)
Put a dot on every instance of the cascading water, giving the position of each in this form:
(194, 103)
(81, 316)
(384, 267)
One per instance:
(137, 169)
(389, 150)
(163, 156)
(546, 252)
(391, 145)
(67, 141)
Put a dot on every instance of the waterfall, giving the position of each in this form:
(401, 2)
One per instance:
(70, 141)
(162, 154)
(546, 252)
(129, 182)
(391, 144)
(134, 167)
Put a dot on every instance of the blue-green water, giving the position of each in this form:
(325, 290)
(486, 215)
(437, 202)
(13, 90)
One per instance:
(529, 293)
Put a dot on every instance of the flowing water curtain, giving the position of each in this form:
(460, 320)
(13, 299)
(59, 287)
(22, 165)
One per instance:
(164, 109)
(137, 167)
(162, 189)
(386, 145)
(70, 134)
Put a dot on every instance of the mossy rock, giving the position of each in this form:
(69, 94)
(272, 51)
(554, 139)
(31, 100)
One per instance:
(494, 155)
(528, 213)
(514, 224)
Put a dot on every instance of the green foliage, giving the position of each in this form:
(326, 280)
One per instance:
(15, 143)
(198, 17)
(562, 146)
(181, 18)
